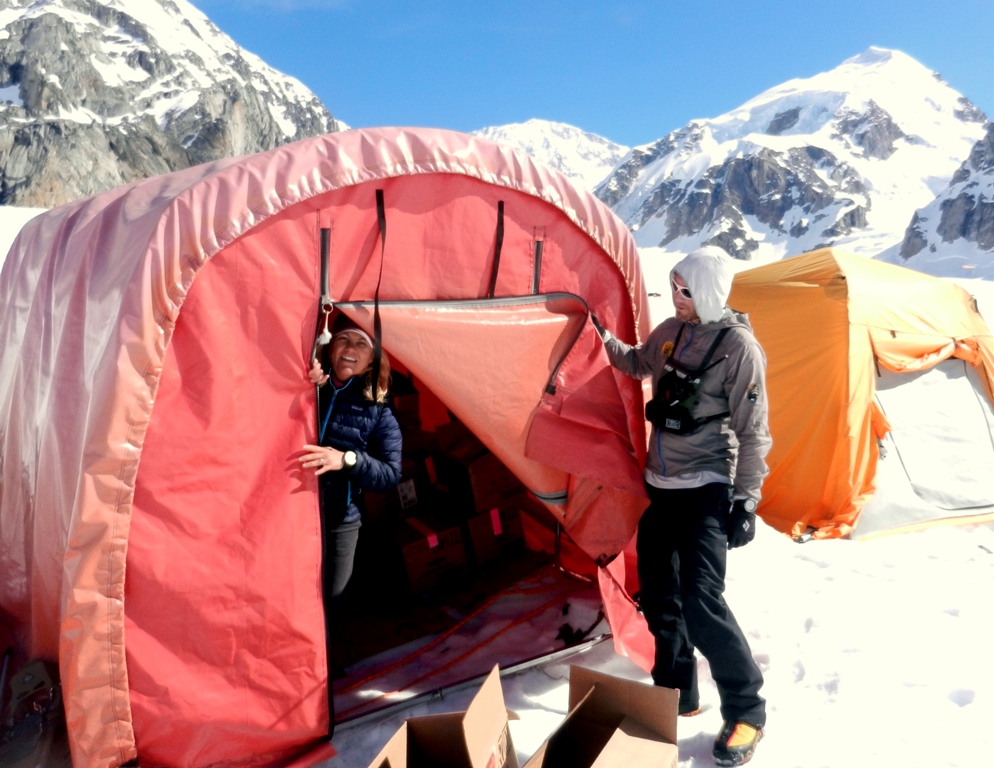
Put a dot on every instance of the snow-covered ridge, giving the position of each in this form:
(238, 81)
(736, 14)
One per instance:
(583, 157)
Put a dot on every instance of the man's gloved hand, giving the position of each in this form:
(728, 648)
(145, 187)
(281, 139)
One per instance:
(741, 523)
(597, 325)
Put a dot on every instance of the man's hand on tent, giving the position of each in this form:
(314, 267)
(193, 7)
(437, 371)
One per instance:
(741, 524)
(597, 325)
(322, 459)
(316, 373)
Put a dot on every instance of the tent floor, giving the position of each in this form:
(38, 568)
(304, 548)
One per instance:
(505, 612)
(380, 615)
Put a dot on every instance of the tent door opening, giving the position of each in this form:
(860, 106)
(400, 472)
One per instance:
(928, 472)
(465, 521)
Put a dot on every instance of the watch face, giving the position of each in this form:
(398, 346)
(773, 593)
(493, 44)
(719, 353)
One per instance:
(750, 505)
(349, 458)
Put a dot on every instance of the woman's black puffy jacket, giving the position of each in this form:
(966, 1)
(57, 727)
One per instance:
(351, 422)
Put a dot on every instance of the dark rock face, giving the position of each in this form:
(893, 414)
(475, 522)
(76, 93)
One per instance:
(784, 121)
(914, 239)
(874, 131)
(808, 181)
(624, 178)
(969, 113)
(965, 211)
(980, 161)
(969, 218)
(88, 121)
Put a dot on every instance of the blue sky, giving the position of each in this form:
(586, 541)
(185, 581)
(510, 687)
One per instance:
(629, 70)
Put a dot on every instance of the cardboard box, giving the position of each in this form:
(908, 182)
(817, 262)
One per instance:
(490, 532)
(419, 444)
(407, 409)
(457, 442)
(412, 494)
(477, 738)
(482, 483)
(430, 546)
(612, 723)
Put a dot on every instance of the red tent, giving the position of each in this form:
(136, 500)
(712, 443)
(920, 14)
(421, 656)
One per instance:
(157, 537)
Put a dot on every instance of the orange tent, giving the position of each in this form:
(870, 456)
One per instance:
(157, 537)
(829, 321)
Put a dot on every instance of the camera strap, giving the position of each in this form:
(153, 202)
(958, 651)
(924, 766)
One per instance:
(673, 364)
(670, 408)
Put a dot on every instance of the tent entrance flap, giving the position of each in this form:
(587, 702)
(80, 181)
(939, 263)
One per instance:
(928, 472)
(488, 361)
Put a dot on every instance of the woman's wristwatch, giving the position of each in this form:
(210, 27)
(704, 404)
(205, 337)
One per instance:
(349, 459)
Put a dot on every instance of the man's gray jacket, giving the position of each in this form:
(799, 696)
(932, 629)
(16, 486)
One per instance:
(734, 446)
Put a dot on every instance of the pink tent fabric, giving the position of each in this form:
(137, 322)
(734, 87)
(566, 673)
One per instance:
(157, 537)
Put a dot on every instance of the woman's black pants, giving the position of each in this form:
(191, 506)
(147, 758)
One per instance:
(341, 546)
(682, 547)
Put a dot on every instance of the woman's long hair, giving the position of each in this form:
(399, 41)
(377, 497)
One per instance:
(384, 382)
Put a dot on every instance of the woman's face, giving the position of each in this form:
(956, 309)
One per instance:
(351, 354)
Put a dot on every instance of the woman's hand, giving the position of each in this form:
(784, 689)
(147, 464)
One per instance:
(322, 459)
(316, 374)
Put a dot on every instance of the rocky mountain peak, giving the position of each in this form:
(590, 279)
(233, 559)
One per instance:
(835, 159)
(132, 88)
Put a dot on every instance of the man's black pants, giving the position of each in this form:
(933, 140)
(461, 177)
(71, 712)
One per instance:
(682, 546)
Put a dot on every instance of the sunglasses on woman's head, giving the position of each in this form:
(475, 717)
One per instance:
(681, 289)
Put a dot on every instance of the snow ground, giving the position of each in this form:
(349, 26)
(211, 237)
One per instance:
(874, 653)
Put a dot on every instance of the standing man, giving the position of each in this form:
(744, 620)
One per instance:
(704, 472)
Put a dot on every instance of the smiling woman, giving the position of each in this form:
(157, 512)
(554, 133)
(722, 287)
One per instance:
(352, 419)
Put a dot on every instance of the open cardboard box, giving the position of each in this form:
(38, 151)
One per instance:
(477, 738)
(612, 723)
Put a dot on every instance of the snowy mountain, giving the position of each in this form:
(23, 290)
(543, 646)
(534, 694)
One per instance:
(953, 236)
(841, 158)
(97, 93)
(584, 158)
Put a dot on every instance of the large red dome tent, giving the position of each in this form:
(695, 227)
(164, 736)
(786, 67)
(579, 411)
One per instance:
(157, 537)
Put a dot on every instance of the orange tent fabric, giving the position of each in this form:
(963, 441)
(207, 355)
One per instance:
(157, 537)
(825, 320)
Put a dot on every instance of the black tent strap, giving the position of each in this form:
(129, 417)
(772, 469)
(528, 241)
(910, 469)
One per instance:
(381, 218)
(538, 267)
(322, 333)
(498, 244)
(538, 243)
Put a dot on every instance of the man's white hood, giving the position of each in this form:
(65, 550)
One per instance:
(708, 274)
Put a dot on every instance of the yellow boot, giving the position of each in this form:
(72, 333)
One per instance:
(736, 743)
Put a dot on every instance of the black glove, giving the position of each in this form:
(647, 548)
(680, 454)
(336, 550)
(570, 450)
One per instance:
(741, 525)
(597, 325)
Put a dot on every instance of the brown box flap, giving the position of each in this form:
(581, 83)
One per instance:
(632, 744)
(650, 705)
